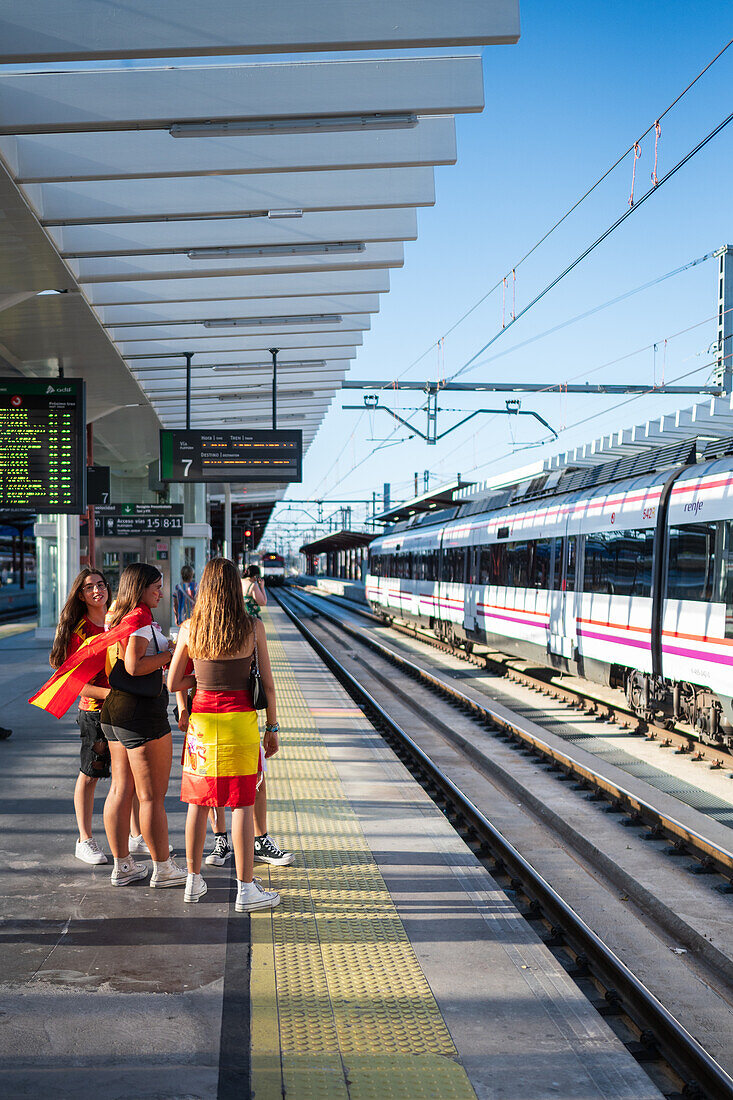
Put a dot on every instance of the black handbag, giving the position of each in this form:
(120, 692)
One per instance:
(255, 685)
(146, 687)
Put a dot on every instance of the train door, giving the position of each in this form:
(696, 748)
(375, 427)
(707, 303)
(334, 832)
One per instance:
(470, 602)
(563, 639)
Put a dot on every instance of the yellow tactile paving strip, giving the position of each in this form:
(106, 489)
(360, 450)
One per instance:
(340, 1006)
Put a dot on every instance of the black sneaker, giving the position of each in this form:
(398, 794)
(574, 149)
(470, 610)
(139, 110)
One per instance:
(267, 851)
(220, 853)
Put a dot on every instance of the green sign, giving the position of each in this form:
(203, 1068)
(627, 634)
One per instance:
(244, 455)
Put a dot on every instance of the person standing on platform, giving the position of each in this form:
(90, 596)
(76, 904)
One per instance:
(222, 750)
(253, 589)
(83, 617)
(266, 850)
(184, 595)
(135, 722)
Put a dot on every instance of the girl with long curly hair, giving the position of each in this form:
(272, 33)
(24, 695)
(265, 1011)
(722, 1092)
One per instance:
(82, 617)
(222, 751)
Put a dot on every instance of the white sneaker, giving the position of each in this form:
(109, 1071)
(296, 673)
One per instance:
(168, 874)
(128, 871)
(251, 895)
(88, 851)
(138, 847)
(195, 888)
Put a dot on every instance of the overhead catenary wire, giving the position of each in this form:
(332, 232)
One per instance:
(599, 240)
(603, 366)
(578, 202)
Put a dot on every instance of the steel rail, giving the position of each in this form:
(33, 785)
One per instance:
(680, 1049)
(713, 855)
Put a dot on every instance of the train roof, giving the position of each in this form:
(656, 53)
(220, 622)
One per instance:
(577, 496)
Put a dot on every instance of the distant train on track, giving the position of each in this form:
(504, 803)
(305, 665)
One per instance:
(273, 569)
(627, 583)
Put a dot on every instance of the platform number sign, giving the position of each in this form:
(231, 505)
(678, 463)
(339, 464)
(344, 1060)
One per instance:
(247, 455)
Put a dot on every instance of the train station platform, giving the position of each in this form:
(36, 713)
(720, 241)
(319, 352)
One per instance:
(394, 967)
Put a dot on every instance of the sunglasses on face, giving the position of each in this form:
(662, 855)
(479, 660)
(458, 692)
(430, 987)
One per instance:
(93, 587)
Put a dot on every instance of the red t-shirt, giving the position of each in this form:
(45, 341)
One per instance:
(87, 629)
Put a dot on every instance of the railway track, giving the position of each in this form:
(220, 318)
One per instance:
(676, 1061)
(684, 741)
(685, 841)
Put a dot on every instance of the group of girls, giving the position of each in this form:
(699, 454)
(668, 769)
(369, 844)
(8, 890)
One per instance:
(125, 731)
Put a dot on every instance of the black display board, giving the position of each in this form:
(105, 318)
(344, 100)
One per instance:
(234, 456)
(98, 485)
(42, 445)
(136, 520)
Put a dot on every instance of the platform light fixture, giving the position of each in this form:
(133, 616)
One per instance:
(309, 124)
(255, 389)
(247, 322)
(237, 367)
(243, 251)
(294, 212)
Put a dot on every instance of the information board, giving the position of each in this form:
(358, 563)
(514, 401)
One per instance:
(42, 445)
(235, 456)
(136, 520)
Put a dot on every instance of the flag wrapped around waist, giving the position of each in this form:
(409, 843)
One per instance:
(58, 693)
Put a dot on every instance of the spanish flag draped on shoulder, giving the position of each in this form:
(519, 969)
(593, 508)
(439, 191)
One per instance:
(58, 693)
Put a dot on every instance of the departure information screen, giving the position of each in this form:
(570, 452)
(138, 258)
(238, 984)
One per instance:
(42, 445)
(235, 456)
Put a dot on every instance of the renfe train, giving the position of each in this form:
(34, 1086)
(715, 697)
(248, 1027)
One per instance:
(273, 569)
(627, 583)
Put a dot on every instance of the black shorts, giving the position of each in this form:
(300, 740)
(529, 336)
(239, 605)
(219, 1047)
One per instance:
(133, 720)
(92, 763)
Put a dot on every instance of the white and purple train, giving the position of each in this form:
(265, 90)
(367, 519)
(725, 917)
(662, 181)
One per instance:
(628, 584)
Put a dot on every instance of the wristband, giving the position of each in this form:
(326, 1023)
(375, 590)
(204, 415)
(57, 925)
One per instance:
(274, 728)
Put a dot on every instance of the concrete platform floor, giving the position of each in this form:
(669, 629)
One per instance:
(394, 967)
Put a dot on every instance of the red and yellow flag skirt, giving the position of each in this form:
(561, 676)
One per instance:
(221, 760)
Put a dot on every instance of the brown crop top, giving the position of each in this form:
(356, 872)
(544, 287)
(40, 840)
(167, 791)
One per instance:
(227, 674)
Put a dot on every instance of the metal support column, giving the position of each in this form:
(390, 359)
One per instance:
(227, 548)
(274, 354)
(724, 368)
(91, 541)
(188, 356)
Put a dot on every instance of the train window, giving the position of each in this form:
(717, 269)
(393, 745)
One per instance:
(570, 546)
(619, 563)
(454, 566)
(472, 565)
(691, 562)
(519, 564)
(542, 572)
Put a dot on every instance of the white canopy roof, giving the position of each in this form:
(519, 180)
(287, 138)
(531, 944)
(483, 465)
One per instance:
(217, 209)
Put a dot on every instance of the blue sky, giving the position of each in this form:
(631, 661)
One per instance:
(581, 85)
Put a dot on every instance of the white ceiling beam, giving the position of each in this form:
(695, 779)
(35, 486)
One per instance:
(252, 355)
(138, 238)
(158, 339)
(238, 288)
(172, 313)
(160, 97)
(154, 200)
(44, 30)
(140, 154)
(146, 268)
